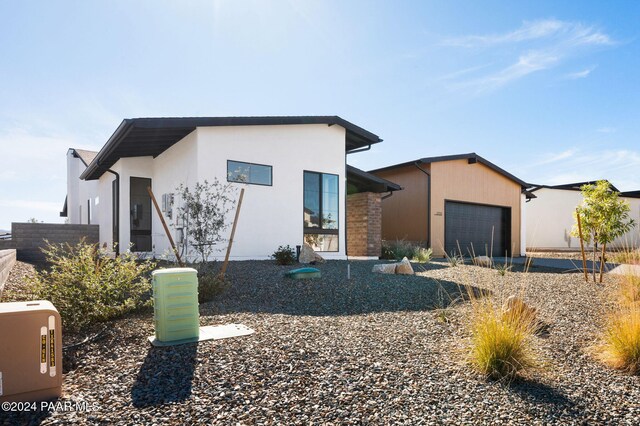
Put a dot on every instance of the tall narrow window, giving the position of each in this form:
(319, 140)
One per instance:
(321, 220)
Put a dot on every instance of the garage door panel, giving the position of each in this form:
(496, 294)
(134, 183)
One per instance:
(472, 225)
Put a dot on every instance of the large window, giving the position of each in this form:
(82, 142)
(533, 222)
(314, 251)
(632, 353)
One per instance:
(321, 211)
(256, 174)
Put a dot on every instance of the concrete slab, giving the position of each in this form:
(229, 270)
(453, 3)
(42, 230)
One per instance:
(209, 332)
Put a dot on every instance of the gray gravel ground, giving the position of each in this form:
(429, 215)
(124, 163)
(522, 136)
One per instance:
(370, 350)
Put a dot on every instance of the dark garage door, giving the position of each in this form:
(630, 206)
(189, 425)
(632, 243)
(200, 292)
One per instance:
(467, 224)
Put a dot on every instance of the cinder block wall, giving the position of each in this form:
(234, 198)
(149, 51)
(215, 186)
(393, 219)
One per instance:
(7, 260)
(364, 224)
(28, 238)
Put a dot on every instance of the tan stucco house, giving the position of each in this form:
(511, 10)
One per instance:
(457, 200)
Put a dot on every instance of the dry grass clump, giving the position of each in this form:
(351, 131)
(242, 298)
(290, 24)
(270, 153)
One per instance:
(620, 342)
(630, 289)
(501, 338)
(627, 256)
(620, 347)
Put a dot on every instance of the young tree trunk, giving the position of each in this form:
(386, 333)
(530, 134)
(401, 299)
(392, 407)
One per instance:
(593, 266)
(604, 248)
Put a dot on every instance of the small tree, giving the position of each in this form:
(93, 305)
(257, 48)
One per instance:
(203, 213)
(603, 216)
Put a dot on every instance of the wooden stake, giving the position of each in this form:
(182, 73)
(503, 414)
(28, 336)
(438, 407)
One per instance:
(584, 256)
(164, 225)
(233, 233)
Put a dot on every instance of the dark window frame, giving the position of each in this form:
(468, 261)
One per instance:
(251, 164)
(320, 230)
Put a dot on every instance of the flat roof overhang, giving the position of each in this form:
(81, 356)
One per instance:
(141, 137)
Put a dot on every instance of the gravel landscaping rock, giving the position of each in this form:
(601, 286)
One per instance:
(367, 350)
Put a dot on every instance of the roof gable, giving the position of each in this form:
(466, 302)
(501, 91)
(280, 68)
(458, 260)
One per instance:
(471, 157)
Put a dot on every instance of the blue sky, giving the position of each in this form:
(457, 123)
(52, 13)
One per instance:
(548, 90)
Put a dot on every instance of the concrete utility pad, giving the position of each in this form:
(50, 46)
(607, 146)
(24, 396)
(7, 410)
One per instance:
(209, 332)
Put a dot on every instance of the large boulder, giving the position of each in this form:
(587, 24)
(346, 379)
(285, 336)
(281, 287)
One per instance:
(404, 267)
(384, 268)
(308, 255)
(484, 261)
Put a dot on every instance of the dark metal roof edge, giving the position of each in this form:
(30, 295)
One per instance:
(111, 144)
(630, 194)
(273, 120)
(188, 122)
(574, 186)
(428, 160)
(361, 173)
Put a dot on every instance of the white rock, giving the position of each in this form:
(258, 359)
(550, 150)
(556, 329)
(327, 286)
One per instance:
(308, 255)
(384, 268)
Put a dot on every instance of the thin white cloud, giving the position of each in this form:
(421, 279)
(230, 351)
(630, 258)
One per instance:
(579, 74)
(528, 63)
(539, 45)
(576, 33)
(555, 157)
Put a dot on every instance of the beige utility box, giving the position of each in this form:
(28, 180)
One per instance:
(30, 351)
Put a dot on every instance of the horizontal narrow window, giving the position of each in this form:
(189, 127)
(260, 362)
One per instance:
(255, 174)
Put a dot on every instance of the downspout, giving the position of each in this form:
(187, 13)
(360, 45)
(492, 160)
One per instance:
(428, 202)
(366, 148)
(117, 209)
(387, 196)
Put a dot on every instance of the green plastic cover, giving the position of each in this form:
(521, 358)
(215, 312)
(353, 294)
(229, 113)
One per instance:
(175, 302)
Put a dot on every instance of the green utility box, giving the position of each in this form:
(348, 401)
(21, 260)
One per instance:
(175, 304)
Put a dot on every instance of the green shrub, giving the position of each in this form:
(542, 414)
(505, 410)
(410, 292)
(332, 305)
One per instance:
(423, 255)
(87, 286)
(210, 282)
(284, 255)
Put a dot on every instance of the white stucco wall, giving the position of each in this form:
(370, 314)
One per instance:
(271, 215)
(523, 225)
(80, 193)
(550, 220)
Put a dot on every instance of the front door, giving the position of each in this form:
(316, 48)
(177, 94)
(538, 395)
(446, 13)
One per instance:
(140, 214)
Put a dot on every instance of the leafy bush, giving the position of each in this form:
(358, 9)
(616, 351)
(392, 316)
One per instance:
(87, 286)
(621, 341)
(210, 282)
(501, 344)
(284, 255)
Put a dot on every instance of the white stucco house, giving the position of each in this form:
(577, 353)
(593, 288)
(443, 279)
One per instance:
(81, 204)
(293, 170)
(550, 218)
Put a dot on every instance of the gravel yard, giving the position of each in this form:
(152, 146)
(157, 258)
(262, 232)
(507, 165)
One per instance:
(370, 350)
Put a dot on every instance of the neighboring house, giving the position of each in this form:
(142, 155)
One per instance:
(81, 204)
(551, 217)
(456, 201)
(293, 170)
